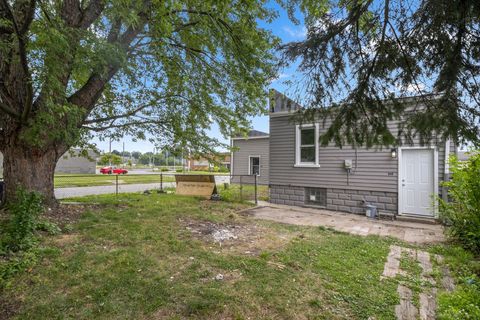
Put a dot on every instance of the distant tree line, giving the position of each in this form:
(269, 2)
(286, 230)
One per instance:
(137, 157)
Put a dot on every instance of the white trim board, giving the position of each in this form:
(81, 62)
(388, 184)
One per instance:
(297, 163)
(251, 138)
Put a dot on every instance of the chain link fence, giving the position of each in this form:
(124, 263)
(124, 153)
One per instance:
(229, 187)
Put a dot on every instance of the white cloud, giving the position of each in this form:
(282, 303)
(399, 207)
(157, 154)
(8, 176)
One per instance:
(415, 88)
(298, 33)
(411, 88)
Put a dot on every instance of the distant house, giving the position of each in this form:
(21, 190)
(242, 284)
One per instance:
(71, 162)
(206, 164)
(401, 180)
(251, 156)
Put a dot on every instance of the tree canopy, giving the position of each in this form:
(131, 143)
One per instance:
(361, 57)
(166, 69)
(163, 70)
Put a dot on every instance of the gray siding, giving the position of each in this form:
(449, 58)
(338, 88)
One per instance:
(375, 169)
(76, 164)
(251, 147)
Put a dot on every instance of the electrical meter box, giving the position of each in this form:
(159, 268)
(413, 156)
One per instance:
(348, 164)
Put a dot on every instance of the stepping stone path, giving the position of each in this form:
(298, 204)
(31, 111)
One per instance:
(406, 310)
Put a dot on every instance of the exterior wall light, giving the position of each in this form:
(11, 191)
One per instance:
(394, 153)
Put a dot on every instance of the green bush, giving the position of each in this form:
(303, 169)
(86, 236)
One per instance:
(462, 213)
(20, 229)
(462, 304)
(164, 169)
(179, 170)
(220, 169)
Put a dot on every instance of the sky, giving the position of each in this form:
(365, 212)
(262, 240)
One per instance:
(283, 28)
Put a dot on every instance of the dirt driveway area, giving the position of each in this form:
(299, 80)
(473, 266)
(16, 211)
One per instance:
(412, 232)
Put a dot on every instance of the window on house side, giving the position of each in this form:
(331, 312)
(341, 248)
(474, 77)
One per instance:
(307, 145)
(255, 165)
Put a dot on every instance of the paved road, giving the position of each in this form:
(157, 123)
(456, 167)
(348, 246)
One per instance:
(62, 193)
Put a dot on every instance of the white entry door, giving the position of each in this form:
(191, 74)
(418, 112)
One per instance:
(417, 182)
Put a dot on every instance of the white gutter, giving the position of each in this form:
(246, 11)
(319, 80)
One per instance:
(447, 156)
(249, 138)
(231, 156)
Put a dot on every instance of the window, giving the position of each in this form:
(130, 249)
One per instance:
(307, 145)
(255, 165)
(316, 196)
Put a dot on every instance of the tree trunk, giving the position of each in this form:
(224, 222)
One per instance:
(31, 169)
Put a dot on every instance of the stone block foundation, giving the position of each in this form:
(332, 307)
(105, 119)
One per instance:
(345, 200)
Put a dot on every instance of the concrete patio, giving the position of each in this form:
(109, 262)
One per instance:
(413, 232)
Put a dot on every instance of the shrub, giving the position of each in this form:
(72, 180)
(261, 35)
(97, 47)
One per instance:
(223, 169)
(462, 213)
(179, 170)
(460, 304)
(164, 169)
(220, 168)
(20, 229)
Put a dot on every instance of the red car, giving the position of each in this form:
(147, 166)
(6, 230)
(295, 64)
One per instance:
(115, 170)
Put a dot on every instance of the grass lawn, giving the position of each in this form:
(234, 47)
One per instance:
(153, 257)
(76, 180)
(234, 192)
(149, 257)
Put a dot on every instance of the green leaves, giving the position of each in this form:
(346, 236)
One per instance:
(366, 56)
(165, 70)
(462, 213)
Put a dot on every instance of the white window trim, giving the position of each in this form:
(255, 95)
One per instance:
(250, 163)
(298, 162)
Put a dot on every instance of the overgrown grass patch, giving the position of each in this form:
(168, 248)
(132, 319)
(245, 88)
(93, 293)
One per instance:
(135, 258)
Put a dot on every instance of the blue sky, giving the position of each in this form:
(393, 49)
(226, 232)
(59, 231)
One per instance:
(283, 28)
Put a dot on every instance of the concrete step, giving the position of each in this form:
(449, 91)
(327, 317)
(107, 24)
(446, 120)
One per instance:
(425, 220)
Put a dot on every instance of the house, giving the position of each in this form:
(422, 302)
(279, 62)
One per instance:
(400, 180)
(251, 156)
(71, 162)
(206, 164)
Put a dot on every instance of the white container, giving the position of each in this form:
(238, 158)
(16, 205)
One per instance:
(371, 211)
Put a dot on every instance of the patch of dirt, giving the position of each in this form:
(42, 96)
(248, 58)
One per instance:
(66, 239)
(65, 214)
(8, 307)
(250, 239)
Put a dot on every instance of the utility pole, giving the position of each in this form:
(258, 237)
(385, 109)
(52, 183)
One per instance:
(110, 153)
(123, 154)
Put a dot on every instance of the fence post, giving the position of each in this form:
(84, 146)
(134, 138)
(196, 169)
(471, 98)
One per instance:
(116, 185)
(256, 198)
(161, 181)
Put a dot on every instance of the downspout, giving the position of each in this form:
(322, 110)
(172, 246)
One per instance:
(231, 157)
(446, 173)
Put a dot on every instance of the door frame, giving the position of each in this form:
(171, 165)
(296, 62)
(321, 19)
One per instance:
(435, 179)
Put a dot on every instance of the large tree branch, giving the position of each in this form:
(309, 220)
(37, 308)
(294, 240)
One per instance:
(88, 94)
(119, 116)
(73, 15)
(122, 125)
(20, 31)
